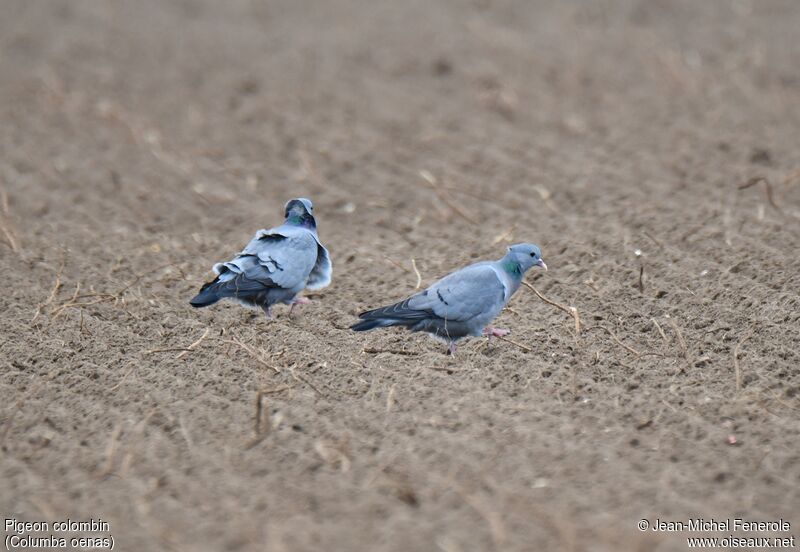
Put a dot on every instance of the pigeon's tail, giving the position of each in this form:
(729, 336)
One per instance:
(208, 295)
(373, 323)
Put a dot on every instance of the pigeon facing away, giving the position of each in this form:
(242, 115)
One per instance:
(275, 266)
(463, 302)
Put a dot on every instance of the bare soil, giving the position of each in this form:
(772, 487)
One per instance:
(142, 141)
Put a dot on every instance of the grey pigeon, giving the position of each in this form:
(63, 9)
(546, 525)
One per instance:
(275, 266)
(463, 302)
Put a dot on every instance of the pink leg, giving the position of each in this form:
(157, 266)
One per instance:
(495, 332)
(267, 311)
(451, 348)
(298, 301)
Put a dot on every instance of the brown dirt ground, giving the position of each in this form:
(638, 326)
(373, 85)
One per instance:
(142, 141)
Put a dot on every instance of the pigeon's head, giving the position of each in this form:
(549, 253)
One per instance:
(298, 206)
(526, 255)
(299, 211)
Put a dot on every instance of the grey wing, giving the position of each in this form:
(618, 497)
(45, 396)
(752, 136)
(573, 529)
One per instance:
(321, 273)
(242, 275)
(272, 259)
(474, 291)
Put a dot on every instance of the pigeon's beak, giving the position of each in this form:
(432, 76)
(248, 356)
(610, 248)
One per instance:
(541, 264)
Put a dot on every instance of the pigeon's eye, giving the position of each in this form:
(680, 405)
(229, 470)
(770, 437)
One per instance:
(533, 254)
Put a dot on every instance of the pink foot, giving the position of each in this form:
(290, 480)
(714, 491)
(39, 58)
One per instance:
(451, 348)
(267, 312)
(298, 301)
(495, 332)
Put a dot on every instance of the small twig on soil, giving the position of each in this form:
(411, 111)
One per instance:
(647, 354)
(5, 225)
(443, 369)
(663, 335)
(390, 398)
(485, 198)
(767, 188)
(4, 196)
(520, 345)
(111, 452)
(333, 455)
(120, 382)
(373, 351)
(75, 293)
(101, 295)
(53, 292)
(458, 210)
(279, 389)
(502, 237)
(82, 326)
(681, 341)
(416, 271)
(182, 351)
(618, 342)
(185, 432)
(166, 350)
(431, 182)
(136, 437)
(572, 311)
(254, 354)
(305, 380)
(493, 519)
(261, 426)
(191, 347)
(653, 239)
(262, 417)
(114, 267)
(256, 440)
(547, 198)
(395, 263)
(10, 239)
(641, 278)
(736, 369)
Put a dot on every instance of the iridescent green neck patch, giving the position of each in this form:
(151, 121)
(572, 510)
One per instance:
(512, 267)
